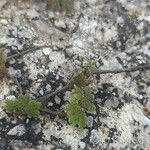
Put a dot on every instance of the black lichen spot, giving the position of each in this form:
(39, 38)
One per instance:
(103, 93)
(54, 80)
(25, 83)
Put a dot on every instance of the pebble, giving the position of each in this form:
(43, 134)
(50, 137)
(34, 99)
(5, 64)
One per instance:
(2, 114)
(82, 145)
(60, 24)
(14, 73)
(51, 14)
(27, 121)
(57, 100)
(4, 21)
(18, 130)
(90, 121)
(12, 61)
(32, 13)
(41, 92)
(48, 87)
(46, 51)
(140, 60)
(140, 96)
(120, 21)
(50, 104)
(105, 130)
(69, 52)
(11, 97)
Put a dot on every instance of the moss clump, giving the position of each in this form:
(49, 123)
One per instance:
(23, 106)
(3, 70)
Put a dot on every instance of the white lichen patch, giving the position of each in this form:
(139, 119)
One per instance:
(123, 122)
(126, 84)
(68, 134)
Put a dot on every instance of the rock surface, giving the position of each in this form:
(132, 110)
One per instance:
(116, 33)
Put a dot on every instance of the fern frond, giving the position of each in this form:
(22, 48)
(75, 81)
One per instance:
(76, 114)
(80, 102)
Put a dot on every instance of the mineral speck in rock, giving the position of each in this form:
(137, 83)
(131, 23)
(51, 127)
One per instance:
(2, 114)
(48, 88)
(50, 104)
(60, 24)
(46, 51)
(12, 61)
(32, 13)
(90, 121)
(82, 145)
(4, 21)
(120, 21)
(11, 97)
(41, 92)
(57, 100)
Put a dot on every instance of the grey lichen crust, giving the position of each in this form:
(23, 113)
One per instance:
(115, 32)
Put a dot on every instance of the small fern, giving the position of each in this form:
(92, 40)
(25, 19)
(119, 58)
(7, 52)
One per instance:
(80, 102)
(23, 106)
(79, 79)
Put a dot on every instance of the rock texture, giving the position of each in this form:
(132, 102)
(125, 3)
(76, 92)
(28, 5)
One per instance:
(114, 32)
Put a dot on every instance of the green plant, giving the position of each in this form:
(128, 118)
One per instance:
(80, 77)
(23, 106)
(80, 102)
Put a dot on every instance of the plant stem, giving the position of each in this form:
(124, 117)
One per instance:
(45, 99)
(133, 69)
(34, 48)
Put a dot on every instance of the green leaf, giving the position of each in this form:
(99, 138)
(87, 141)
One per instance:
(77, 93)
(80, 102)
(88, 93)
(87, 101)
(75, 114)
